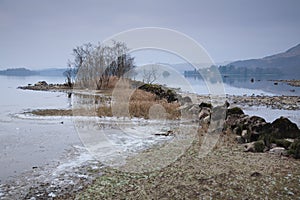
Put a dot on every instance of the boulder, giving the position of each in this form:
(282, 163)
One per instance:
(235, 111)
(249, 147)
(277, 150)
(246, 135)
(285, 143)
(294, 149)
(284, 128)
(207, 105)
(204, 112)
(218, 113)
(187, 100)
(41, 83)
(240, 139)
(257, 146)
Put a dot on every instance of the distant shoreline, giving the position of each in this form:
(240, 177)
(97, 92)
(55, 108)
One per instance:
(294, 83)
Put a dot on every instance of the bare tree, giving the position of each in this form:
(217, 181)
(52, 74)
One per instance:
(150, 75)
(80, 53)
(97, 64)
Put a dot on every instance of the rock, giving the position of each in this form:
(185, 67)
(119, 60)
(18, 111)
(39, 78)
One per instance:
(256, 174)
(240, 139)
(257, 146)
(207, 105)
(186, 99)
(204, 112)
(235, 111)
(294, 149)
(160, 91)
(273, 145)
(283, 143)
(51, 194)
(245, 136)
(168, 133)
(249, 147)
(277, 150)
(41, 83)
(206, 120)
(193, 109)
(237, 130)
(219, 113)
(284, 128)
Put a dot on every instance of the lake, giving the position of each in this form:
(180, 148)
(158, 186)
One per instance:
(28, 142)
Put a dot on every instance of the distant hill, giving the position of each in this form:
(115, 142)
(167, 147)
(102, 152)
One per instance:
(286, 63)
(27, 72)
(18, 72)
(52, 72)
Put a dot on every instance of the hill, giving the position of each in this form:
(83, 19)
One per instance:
(28, 72)
(286, 63)
(18, 72)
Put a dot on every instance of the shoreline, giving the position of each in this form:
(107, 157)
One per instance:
(294, 83)
(87, 179)
(286, 102)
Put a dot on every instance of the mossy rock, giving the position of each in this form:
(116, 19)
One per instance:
(235, 111)
(283, 143)
(294, 149)
(160, 92)
(284, 128)
(205, 105)
(259, 146)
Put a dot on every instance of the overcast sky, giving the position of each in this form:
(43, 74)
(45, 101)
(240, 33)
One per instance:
(42, 33)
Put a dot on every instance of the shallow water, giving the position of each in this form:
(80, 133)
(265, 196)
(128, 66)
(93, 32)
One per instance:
(28, 143)
(271, 114)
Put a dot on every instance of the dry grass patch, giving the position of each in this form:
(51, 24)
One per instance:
(141, 104)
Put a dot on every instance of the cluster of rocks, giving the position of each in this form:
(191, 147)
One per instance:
(43, 85)
(274, 102)
(281, 136)
(295, 83)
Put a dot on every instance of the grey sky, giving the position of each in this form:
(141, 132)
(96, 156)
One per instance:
(42, 33)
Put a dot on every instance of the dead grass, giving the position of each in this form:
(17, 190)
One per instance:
(52, 112)
(141, 102)
(140, 105)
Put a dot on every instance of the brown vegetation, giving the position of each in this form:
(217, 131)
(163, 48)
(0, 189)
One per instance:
(140, 105)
